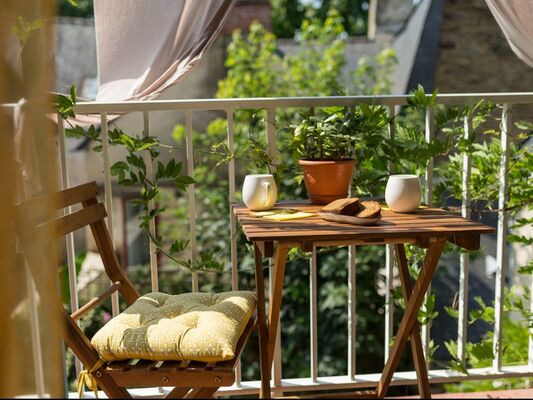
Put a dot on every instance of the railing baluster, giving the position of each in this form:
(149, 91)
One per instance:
(271, 152)
(108, 196)
(530, 346)
(191, 196)
(462, 323)
(389, 266)
(276, 364)
(151, 205)
(271, 135)
(37, 351)
(501, 241)
(71, 252)
(313, 314)
(233, 222)
(428, 197)
(352, 316)
(232, 199)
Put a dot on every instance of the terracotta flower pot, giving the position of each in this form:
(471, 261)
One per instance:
(327, 180)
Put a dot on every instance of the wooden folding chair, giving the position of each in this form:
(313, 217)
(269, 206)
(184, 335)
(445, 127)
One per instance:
(189, 379)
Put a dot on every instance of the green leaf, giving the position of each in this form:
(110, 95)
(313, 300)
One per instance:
(169, 168)
(76, 132)
(481, 351)
(150, 194)
(452, 312)
(176, 169)
(178, 246)
(526, 269)
(73, 94)
(160, 171)
(526, 241)
(182, 181)
(134, 160)
(92, 133)
(119, 167)
(64, 106)
(458, 366)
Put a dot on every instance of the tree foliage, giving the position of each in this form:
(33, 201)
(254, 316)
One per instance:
(288, 15)
(255, 67)
(75, 8)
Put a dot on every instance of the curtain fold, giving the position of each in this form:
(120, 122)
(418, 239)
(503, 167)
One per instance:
(515, 18)
(143, 47)
(30, 319)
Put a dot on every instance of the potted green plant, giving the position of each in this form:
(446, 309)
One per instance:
(325, 147)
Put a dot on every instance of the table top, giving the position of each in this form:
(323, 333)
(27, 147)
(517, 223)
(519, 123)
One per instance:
(423, 224)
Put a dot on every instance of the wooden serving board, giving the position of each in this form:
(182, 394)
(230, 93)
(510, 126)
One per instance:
(347, 219)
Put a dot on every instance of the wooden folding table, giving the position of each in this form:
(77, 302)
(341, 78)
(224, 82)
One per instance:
(428, 228)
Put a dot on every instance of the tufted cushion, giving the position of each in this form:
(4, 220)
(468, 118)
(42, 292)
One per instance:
(191, 326)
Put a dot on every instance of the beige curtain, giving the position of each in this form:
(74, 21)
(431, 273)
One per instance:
(143, 47)
(30, 340)
(515, 18)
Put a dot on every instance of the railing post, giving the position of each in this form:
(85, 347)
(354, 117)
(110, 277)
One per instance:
(428, 195)
(108, 196)
(462, 323)
(352, 316)
(233, 221)
(271, 135)
(151, 204)
(372, 16)
(271, 152)
(389, 266)
(71, 252)
(276, 364)
(501, 241)
(313, 314)
(191, 196)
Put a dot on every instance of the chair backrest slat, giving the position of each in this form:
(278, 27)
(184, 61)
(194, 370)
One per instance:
(40, 222)
(74, 221)
(40, 206)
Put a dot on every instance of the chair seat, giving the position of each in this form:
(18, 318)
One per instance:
(192, 326)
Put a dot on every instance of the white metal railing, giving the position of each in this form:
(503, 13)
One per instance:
(271, 105)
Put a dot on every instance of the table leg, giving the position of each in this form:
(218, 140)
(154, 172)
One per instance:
(410, 315)
(263, 328)
(280, 259)
(416, 342)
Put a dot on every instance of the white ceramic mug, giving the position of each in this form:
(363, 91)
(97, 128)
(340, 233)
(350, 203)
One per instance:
(403, 193)
(259, 192)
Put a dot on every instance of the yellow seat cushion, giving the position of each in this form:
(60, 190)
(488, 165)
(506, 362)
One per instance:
(191, 326)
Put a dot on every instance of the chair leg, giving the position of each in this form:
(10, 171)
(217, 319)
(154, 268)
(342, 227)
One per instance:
(424, 389)
(263, 330)
(201, 393)
(410, 315)
(177, 393)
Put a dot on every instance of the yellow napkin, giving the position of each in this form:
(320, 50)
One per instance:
(388, 209)
(282, 214)
(288, 216)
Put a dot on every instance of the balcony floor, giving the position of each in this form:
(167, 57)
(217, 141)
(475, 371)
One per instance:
(494, 394)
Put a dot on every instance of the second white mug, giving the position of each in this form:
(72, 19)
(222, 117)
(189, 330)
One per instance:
(259, 192)
(403, 193)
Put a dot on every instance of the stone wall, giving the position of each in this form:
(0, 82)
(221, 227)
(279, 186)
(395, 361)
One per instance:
(246, 11)
(75, 54)
(474, 55)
